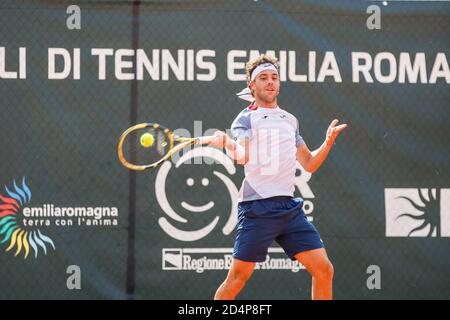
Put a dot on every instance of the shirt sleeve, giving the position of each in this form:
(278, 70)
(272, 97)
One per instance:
(241, 126)
(298, 138)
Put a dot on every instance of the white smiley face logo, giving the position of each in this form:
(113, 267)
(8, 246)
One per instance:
(190, 182)
(160, 189)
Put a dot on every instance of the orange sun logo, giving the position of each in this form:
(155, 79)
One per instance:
(11, 232)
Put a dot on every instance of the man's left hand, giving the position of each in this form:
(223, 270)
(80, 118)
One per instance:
(333, 131)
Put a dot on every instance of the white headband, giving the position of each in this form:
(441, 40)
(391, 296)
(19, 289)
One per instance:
(261, 68)
(246, 93)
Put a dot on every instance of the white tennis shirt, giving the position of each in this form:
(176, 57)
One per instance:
(274, 137)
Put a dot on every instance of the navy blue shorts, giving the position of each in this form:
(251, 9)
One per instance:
(282, 219)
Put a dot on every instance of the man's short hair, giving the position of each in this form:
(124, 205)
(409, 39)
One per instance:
(263, 58)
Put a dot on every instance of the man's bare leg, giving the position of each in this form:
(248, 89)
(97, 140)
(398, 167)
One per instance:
(319, 266)
(237, 277)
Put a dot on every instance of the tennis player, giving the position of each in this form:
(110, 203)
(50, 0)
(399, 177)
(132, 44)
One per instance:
(268, 145)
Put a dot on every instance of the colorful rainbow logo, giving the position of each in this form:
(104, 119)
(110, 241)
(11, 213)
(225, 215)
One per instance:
(11, 231)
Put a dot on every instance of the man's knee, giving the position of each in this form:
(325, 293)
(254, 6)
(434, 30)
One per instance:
(324, 270)
(237, 279)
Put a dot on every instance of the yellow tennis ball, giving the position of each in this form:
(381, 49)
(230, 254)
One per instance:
(147, 140)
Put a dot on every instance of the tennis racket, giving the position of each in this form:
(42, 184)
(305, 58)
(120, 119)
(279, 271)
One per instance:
(147, 145)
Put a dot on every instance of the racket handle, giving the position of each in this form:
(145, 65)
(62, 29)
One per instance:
(204, 140)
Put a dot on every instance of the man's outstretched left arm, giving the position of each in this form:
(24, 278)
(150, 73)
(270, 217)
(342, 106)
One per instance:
(312, 160)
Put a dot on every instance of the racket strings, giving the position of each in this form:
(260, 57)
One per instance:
(144, 151)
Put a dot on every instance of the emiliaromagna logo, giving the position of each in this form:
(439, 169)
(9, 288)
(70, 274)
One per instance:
(21, 223)
(69, 216)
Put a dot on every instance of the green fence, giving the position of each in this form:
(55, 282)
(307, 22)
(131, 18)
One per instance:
(72, 78)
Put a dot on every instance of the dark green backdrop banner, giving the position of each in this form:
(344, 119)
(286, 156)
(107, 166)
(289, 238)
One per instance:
(76, 224)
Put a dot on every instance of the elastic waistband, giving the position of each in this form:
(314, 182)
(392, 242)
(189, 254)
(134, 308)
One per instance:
(276, 198)
(279, 198)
